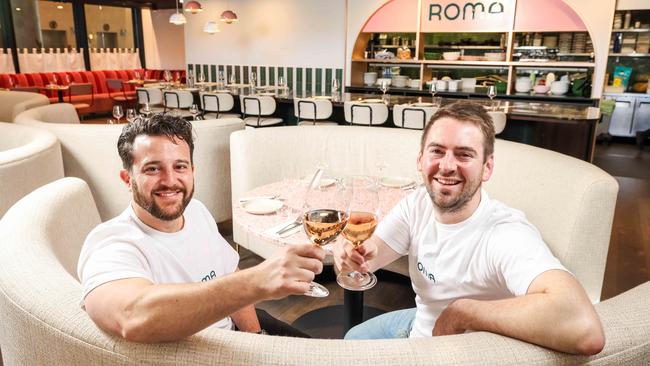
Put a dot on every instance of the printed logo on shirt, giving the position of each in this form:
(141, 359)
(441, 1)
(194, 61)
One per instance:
(426, 273)
(209, 276)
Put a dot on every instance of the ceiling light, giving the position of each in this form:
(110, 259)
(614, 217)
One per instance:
(18, 9)
(228, 17)
(177, 18)
(193, 7)
(59, 6)
(211, 27)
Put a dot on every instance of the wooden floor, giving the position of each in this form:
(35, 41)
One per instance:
(628, 261)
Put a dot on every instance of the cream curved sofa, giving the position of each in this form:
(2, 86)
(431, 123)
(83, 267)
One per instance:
(90, 153)
(43, 323)
(12, 103)
(29, 158)
(570, 201)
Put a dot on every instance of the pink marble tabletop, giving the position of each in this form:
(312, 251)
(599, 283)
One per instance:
(292, 193)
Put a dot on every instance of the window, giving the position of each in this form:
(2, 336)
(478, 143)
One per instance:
(43, 24)
(109, 26)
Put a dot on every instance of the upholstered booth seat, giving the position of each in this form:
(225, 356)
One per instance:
(90, 153)
(29, 158)
(102, 102)
(43, 324)
(12, 103)
(570, 201)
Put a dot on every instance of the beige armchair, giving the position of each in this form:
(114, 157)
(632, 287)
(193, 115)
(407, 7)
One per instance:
(90, 153)
(13, 103)
(43, 324)
(29, 158)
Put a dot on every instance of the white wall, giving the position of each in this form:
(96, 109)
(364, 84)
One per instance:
(632, 4)
(164, 43)
(271, 33)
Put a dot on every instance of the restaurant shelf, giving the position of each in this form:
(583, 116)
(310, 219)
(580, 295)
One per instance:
(631, 30)
(629, 55)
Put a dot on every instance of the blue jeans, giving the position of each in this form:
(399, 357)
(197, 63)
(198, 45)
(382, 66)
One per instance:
(396, 324)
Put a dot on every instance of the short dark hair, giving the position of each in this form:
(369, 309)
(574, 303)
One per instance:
(158, 125)
(466, 112)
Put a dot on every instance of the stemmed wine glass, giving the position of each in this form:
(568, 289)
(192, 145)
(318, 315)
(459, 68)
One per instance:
(335, 86)
(201, 77)
(167, 75)
(118, 112)
(324, 217)
(253, 80)
(232, 79)
(363, 216)
(492, 93)
(146, 109)
(194, 111)
(383, 86)
(130, 115)
(220, 79)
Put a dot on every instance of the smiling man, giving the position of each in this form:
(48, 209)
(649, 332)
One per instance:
(161, 271)
(475, 264)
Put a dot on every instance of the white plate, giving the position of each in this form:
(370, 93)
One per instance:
(190, 89)
(396, 182)
(262, 206)
(422, 104)
(266, 94)
(221, 91)
(322, 97)
(372, 100)
(324, 182)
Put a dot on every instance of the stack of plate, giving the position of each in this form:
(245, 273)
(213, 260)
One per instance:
(399, 81)
(618, 20)
(579, 43)
(369, 78)
(629, 43)
(565, 42)
(537, 39)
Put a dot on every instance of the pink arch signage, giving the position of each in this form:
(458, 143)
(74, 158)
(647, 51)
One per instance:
(475, 16)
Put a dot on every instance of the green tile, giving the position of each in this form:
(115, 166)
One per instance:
(319, 80)
(328, 81)
(289, 78)
(298, 78)
(310, 76)
(272, 75)
(262, 75)
(213, 72)
(245, 75)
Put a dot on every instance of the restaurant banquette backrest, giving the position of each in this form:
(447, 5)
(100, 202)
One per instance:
(13, 103)
(29, 158)
(570, 201)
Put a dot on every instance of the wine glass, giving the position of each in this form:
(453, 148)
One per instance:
(324, 217)
(232, 79)
(194, 111)
(492, 93)
(363, 216)
(167, 75)
(335, 86)
(220, 79)
(67, 79)
(432, 88)
(130, 115)
(253, 80)
(146, 109)
(118, 112)
(383, 86)
(137, 75)
(201, 77)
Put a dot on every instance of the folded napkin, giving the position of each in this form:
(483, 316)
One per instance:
(273, 232)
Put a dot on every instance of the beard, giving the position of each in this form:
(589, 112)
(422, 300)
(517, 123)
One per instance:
(449, 202)
(149, 204)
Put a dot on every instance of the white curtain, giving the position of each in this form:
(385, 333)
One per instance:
(51, 60)
(115, 59)
(6, 62)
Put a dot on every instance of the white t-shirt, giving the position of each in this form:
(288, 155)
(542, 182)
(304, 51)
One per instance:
(494, 254)
(124, 247)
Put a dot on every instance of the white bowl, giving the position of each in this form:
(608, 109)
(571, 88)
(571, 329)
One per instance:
(559, 87)
(451, 56)
(541, 89)
(414, 83)
(468, 83)
(380, 80)
(495, 56)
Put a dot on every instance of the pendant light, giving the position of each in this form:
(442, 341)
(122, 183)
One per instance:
(193, 7)
(211, 27)
(228, 17)
(177, 18)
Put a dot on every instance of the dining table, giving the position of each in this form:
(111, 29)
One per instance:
(258, 216)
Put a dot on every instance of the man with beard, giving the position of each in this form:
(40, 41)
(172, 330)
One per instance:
(475, 264)
(160, 271)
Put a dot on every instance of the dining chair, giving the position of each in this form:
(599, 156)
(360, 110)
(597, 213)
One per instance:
(153, 96)
(179, 100)
(364, 113)
(81, 89)
(499, 121)
(217, 103)
(313, 111)
(259, 108)
(117, 92)
(413, 117)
